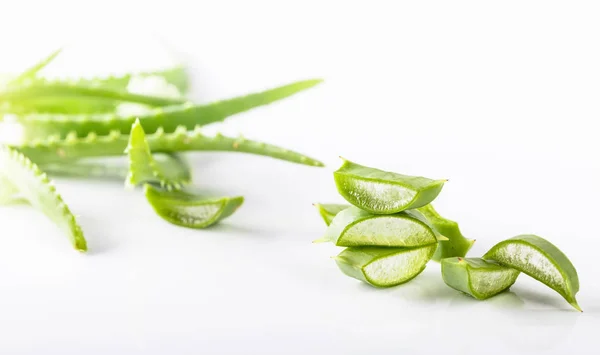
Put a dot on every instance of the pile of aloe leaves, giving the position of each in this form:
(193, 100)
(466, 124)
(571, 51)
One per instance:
(66, 128)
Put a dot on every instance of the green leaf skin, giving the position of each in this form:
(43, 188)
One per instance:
(329, 210)
(383, 192)
(55, 150)
(34, 186)
(91, 168)
(540, 259)
(476, 277)
(167, 119)
(384, 267)
(354, 227)
(54, 92)
(142, 166)
(456, 245)
(186, 209)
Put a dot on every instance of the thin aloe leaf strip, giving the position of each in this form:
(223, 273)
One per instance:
(328, 211)
(55, 150)
(187, 209)
(166, 118)
(142, 166)
(384, 267)
(456, 245)
(356, 227)
(476, 277)
(383, 192)
(540, 259)
(35, 186)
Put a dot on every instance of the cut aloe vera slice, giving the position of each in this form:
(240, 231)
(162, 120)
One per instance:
(329, 210)
(384, 267)
(383, 192)
(540, 259)
(187, 209)
(355, 227)
(476, 277)
(456, 245)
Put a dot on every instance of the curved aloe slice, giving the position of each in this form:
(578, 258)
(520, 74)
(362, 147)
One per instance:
(384, 267)
(190, 210)
(456, 245)
(356, 227)
(476, 277)
(383, 192)
(55, 150)
(34, 186)
(540, 259)
(144, 169)
(329, 210)
(167, 119)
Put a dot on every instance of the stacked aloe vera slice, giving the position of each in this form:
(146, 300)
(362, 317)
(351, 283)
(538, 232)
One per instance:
(69, 127)
(391, 231)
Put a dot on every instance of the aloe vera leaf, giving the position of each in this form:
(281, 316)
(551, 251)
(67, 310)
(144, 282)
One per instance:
(92, 168)
(540, 259)
(354, 227)
(187, 209)
(32, 71)
(40, 126)
(384, 267)
(55, 150)
(35, 187)
(456, 245)
(476, 277)
(176, 76)
(142, 166)
(55, 92)
(329, 210)
(383, 192)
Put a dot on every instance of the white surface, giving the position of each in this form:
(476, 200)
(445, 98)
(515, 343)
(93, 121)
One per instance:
(500, 98)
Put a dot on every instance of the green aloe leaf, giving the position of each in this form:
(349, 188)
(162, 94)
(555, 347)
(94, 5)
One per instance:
(383, 192)
(188, 209)
(456, 245)
(384, 267)
(356, 227)
(32, 71)
(165, 119)
(34, 186)
(476, 277)
(329, 210)
(540, 259)
(144, 169)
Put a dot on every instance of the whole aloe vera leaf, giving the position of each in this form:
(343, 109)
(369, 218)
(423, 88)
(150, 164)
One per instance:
(56, 91)
(540, 259)
(142, 166)
(384, 267)
(173, 164)
(187, 209)
(456, 245)
(329, 210)
(354, 227)
(32, 71)
(35, 187)
(383, 192)
(56, 150)
(40, 126)
(476, 277)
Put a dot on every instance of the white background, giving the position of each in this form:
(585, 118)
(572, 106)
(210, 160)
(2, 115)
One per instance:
(502, 98)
